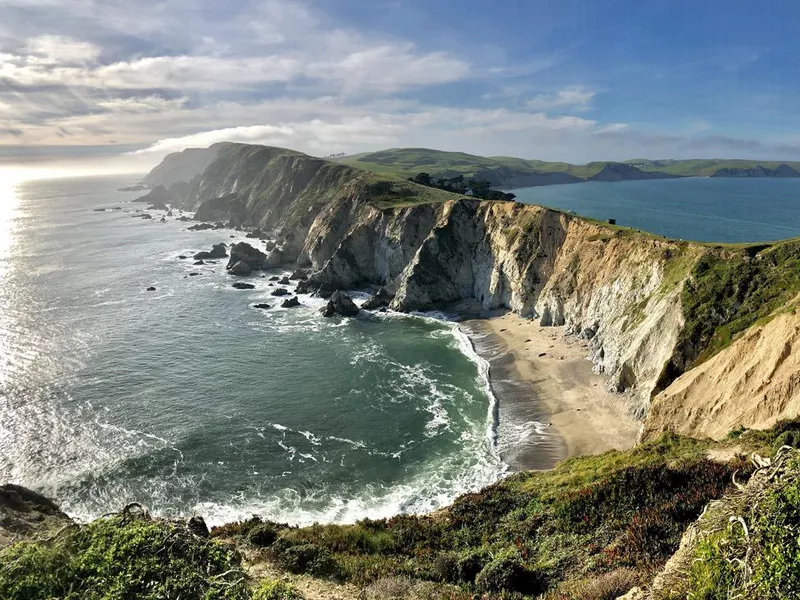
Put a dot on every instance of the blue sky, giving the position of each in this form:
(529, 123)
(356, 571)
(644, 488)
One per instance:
(115, 85)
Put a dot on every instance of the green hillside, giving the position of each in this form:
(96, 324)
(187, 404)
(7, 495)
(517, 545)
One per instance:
(508, 171)
(706, 167)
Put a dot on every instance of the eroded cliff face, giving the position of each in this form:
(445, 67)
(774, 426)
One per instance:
(605, 285)
(620, 290)
(753, 383)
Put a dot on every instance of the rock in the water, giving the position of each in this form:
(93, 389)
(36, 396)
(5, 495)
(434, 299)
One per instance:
(240, 268)
(269, 245)
(151, 289)
(217, 251)
(381, 298)
(201, 227)
(184, 218)
(197, 526)
(291, 302)
(244, 252)
(183, 257)
(274, 278)
(99, 210)
(241, 285)
(199, 262)
(163, 219)
(325, 290)
(193, 274)
(340, 304)
(299, 274)
(304, 287)
(262, 305)
(158, 195)
(285, 281)
(280, 292)
(169, 213)
(146, 216)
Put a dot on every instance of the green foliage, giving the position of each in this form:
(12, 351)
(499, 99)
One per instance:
(757, 553)
(276, 590)
(306, 558)
(263, 534)
(729, 292)
(507, 572)
(121, 559)
(533, 531)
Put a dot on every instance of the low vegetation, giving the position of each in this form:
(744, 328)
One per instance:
(730, 290)
(590, 529)
(477, 188)
(596, 523)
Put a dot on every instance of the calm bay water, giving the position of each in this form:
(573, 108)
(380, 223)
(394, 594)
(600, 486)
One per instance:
(698, 208)
(189, 400)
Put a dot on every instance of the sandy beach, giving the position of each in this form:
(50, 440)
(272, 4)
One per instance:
(540, 374)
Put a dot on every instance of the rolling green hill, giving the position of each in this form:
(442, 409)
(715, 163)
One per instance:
(507, 171)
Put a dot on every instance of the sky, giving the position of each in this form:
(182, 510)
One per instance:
(107, 85)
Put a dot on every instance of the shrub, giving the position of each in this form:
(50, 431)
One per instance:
(277, 590)
(790, 437)
(607, 586)
(446, 567)
(306, 558)
(507, 573)
(389, 588)
(263, 534)
(471, 562)
(123, 558)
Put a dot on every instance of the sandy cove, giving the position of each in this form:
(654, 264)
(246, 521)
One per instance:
(540, 374)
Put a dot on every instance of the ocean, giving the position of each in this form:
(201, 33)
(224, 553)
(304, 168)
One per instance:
(706, 209)
(190, 401)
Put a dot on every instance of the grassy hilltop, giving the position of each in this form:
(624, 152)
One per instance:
(501, 170)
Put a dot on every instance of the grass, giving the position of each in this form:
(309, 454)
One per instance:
(126, 557)
(755, 552)
(729, 291)
(407, 162)
(530, 534)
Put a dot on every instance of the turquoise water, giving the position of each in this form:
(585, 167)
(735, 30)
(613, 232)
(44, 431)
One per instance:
(697, 208)
(189, 400)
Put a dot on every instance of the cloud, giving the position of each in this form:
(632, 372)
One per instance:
(574, 97)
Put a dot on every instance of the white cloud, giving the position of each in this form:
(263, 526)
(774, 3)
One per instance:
(59, 50)
(574, 97)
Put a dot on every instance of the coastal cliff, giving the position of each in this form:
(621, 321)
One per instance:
(650, 309)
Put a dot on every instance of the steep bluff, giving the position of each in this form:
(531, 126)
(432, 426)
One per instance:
(617, 289)
(754, 383)
(650, 309)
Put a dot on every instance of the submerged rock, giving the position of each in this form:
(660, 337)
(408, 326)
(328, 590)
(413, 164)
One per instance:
(199, 262)
(262, 305)
(241, 285)
(183, 257)
(201, 227)
(291, 302)
(280, 292)
(340, 304)
(240, 268)
(151, 289)
(274, 278)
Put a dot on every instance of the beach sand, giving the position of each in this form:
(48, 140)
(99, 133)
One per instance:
(539, 374)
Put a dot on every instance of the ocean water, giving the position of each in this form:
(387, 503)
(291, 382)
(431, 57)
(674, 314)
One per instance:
(697, 208)
(190, 401)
